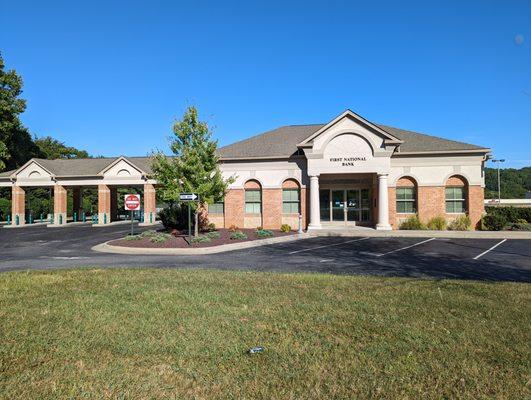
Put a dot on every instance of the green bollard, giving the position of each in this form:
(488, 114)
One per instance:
(41, 218)
(51, 219)
(84, 217)
(75, 217)
(9, 219)
(17, 220)
(31, 219)
(60, 219)
(150, 217)
(104, 218)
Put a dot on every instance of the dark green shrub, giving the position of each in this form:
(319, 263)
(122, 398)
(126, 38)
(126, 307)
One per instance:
(238, 235)
(412, 223)
(201, 239)
(462, 223)
(210, 227)
(511, 214)
(285, 228)
(213, 235)
(175, 216)
(520, 226)
(494, 222)
(5, 208)
(437, 224)
(264, 233)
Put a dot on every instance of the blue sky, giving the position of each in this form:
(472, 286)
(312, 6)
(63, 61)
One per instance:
(110, 77)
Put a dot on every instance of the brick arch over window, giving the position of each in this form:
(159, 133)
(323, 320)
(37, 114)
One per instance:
(253, 184)
(456, 193)
(253, 197)
(406, 195)
(291, 197)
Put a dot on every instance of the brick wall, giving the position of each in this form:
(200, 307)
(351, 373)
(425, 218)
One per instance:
(272, 208)
(59, 204)
(234, 207)
(476, 206)
(431, 202)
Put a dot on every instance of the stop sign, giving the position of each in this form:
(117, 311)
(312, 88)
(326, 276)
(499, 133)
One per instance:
(132, 202)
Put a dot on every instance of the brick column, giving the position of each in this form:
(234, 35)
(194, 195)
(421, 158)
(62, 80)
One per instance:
(104, 204)
(150, 204)
(114, 203)
(18, 205)
(59, 205)
(76, 202)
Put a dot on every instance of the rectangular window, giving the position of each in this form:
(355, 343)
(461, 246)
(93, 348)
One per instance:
(216, 208)
(253, 201)
(291, 201)
(455, 200)
(406, 200)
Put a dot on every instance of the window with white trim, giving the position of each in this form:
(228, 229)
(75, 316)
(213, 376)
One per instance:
(406, 200)
(217, 207)
(291, 203)
(253, 201)
(455, 199)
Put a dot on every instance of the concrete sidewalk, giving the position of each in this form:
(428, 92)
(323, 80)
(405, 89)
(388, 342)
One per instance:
(361, 231)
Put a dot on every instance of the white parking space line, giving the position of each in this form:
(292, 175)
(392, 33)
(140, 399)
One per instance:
(328, 245)
(405, 248)
(492, 248)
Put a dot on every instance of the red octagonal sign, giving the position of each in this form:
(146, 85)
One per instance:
(132, 202)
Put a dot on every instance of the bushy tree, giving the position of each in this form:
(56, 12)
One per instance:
(514, 183)
(16, 144)
(194, 165)
(52, 149)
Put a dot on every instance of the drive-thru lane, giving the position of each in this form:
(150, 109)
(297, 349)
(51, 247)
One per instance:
(39, 247)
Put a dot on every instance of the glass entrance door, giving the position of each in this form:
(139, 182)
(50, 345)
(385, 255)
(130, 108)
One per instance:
(338, 205)
(345, 205)
(353, 205)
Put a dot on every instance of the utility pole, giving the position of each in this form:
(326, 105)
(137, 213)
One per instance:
(498, 161)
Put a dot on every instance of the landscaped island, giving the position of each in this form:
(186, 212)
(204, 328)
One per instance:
(179, 239)
(166, 334)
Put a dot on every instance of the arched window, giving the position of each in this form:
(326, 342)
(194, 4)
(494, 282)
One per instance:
(291, 197)
(406, 195)
(455, 194)
(253, 197)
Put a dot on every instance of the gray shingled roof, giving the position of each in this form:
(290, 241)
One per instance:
(282, 142)
(85, 166)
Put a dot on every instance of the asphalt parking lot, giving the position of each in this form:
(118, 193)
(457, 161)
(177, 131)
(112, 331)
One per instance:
(38, 247)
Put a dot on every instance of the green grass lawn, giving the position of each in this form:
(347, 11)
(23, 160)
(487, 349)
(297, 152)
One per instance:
(151, 333)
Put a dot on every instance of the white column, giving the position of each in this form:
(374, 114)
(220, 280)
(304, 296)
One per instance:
(383, 204)
(315, 218)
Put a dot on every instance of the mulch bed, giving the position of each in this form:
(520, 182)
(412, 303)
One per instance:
(180, 240)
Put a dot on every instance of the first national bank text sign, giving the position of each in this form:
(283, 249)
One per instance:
(347, 161)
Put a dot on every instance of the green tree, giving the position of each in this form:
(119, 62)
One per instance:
(194, 167)
(52, 149)
(514, 183)
(16, 144)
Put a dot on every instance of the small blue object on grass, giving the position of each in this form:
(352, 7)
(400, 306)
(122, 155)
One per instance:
(255, 350)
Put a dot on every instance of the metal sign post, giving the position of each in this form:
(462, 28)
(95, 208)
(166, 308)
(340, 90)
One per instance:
(188, 198)
(132, 203)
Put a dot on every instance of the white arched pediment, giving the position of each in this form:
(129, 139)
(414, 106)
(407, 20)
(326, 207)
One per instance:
(33, 174)
(348, 152)
(122, 170)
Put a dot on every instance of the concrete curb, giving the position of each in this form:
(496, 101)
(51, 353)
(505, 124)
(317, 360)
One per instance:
(420, 234)
(107, 248)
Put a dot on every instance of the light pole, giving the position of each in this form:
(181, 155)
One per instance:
(498, 161)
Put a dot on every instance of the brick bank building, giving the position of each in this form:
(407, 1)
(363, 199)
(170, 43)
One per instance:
(348, 172)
